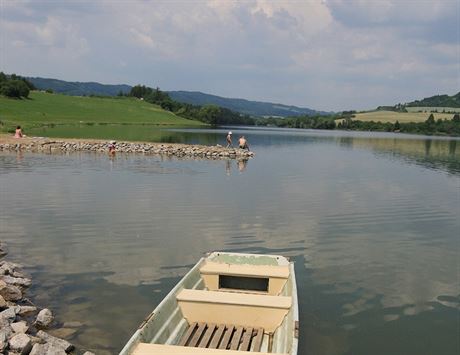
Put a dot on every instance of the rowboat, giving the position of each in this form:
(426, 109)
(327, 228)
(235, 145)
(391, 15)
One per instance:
(227, 304)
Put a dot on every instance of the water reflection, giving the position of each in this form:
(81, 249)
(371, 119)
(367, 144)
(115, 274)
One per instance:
(371, 223)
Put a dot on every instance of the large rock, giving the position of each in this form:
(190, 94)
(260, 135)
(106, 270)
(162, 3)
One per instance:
(88, 353)
(10, 292)
(7, 268)
(9, 313)
(24, 310)
(17, 281)
(44, 318)
(60, 343)
(4, 322)
(5, 334)
(47, 349)
(19, 327)
(2, 302)
(21, 343)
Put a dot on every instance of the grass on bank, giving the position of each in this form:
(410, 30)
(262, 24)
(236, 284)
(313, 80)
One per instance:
(46, 109)
(401, 117)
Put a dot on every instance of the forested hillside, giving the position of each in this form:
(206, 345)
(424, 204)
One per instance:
(79, 88)
(437, 101)
(247, 107)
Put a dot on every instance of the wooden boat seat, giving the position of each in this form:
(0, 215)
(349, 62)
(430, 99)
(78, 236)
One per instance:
(239, 309)
(281, 271)
(224, 337)
(272, 278)
(160, 349)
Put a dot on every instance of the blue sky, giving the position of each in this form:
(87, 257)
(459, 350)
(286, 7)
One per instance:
(325, 54)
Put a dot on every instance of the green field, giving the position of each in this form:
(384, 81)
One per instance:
(392, 116)
(54, 109)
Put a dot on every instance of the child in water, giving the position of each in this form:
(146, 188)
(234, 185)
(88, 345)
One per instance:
(112, 148)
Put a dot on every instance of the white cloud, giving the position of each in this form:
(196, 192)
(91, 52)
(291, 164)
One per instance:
(308, 53)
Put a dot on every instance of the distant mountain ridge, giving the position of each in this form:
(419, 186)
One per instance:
(252, 108)
(79, 88)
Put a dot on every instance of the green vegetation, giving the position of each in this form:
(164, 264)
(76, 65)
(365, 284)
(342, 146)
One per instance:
(434, 109)
(14, 86)
(430, 126)
(210, 114)
(54, 109)
(78, 88)
(437, 101)
(312, 122)
(447, 125)
(246, 107)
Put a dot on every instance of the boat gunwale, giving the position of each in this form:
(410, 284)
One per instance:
(136, 337)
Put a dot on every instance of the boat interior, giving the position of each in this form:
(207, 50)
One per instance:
(228, 303)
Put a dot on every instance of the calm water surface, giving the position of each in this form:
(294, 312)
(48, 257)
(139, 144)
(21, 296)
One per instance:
(371, 221)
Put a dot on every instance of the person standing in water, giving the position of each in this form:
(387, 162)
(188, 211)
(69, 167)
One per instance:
(112, 148)
(229, 139)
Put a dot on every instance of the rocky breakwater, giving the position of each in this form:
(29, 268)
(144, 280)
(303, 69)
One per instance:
(178, 150)
(24, 328)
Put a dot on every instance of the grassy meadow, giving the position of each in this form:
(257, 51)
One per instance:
(401, 117)
(42, 109)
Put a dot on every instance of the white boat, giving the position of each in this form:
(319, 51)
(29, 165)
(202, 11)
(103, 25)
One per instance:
(228, 303)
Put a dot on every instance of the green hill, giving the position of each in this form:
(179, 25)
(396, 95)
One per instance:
(78, 88)
(437, 101)
(246, 107)
(45, 109)
(252, 108)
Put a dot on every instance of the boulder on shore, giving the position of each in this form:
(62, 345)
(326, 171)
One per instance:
(10, 292)
(44, 318)
(47, 349)
(56, 342)
(21, 343)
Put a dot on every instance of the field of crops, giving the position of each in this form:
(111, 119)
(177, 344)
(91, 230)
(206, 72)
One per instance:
(391, 116)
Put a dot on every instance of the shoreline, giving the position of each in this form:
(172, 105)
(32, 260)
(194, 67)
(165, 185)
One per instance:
(61, 145)
(24, 327)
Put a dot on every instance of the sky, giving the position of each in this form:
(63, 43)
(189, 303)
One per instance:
(327, 55)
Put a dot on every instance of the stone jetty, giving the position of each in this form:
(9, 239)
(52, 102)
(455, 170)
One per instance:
(47, 145)
(25, 328)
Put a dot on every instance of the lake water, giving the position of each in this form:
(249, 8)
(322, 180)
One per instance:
(371, 220)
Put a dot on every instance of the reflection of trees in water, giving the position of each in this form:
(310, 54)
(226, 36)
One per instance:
(452, 147)
(431, 153)
(427, 147)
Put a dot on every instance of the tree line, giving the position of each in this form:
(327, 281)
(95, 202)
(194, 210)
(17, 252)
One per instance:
(305, 121)
(15, 86)
(430, 126)
(210, 114)
(345, 121)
